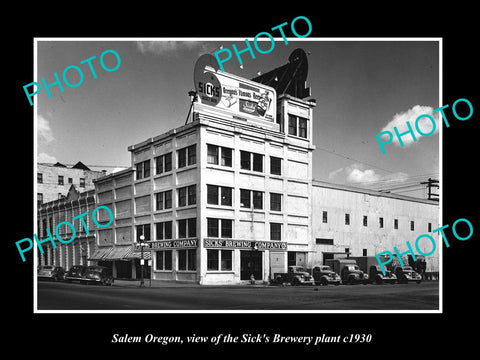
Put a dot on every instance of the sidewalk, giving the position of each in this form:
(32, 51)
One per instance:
(166, 283)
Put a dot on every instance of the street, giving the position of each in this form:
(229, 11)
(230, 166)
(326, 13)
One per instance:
(128, 296)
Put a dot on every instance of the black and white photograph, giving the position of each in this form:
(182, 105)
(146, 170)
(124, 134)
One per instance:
(205, 189)
(215, 181)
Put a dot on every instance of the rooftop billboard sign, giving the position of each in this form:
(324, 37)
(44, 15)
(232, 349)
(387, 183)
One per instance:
(241, 97)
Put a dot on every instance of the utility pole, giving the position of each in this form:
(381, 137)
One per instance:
(431, 183)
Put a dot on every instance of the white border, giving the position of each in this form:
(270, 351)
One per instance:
(306, 39)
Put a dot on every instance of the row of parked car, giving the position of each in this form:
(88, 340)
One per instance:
(349, 273)
(81, 273)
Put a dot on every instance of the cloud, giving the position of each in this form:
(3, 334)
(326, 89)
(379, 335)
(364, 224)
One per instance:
(45, 158)
(169, 47)
(44, 131)
(400, 119)
(359, 175)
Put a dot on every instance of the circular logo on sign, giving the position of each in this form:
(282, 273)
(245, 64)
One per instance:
(209, 89)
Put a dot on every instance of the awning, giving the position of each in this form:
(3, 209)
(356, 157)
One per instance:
(134, 254)
(100, 254)
(117, 253)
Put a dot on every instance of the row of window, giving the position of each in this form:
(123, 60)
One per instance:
(380, 221)
(61, 180)
(187, 228)
(216, 155)
(216, 260)
(217, 195)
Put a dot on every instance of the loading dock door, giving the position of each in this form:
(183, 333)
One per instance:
(277, 262)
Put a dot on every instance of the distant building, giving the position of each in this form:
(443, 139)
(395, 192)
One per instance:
(52, 213)
(55, 180)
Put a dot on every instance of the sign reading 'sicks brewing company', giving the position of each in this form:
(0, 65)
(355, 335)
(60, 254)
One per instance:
(232, 93)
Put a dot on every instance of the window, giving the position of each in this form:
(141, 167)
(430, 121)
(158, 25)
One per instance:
(365, 220)
(245, 160)
(244, 198)
(292, 125)
(163, 163)
(164, 260)
(275, 231)
(164, 200)
(82, 182)
(380, 222)
(212, 227)
(70, 181)
(187, 259)
(347, 219)
(212, 194)
(320, 241)
(60, 195)
(182, 197)
(192, 227)
(226, 228)
(212, 259)
(257, 199)
(226, 157)
(187, 226)
(164, 230)
(226, 196)
(412, 225)
(226, 259)
(187, 156)
(39, 178)
(302, 127)
(275, 202)
(60, 180)
(143, 230)
(167, 162)
(364, 252)
(275, 165)
(395, 223)
(224, 231)
(182, 158)
(192, 154)
(143, 169)
(44, 227)
(39, 199)
(192, 194)
(257, 162)
(212, 154)
(324, 216)
(429, 227)
(219, 259)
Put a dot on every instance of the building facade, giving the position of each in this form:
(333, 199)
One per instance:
(349, 221)
(52, 213)
(54, 180)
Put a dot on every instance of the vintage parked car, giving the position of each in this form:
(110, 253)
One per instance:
(76, 273)
(378, 277)
(98, 275)
(324, 275)
(295, 276)
(50, 272)
(406, 274)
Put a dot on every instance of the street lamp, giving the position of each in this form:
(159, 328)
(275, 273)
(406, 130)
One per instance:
(142, 245)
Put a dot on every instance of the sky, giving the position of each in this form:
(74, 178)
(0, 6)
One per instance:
(361, 88)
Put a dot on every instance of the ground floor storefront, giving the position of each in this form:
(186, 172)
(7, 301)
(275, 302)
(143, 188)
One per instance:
(220, 261)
